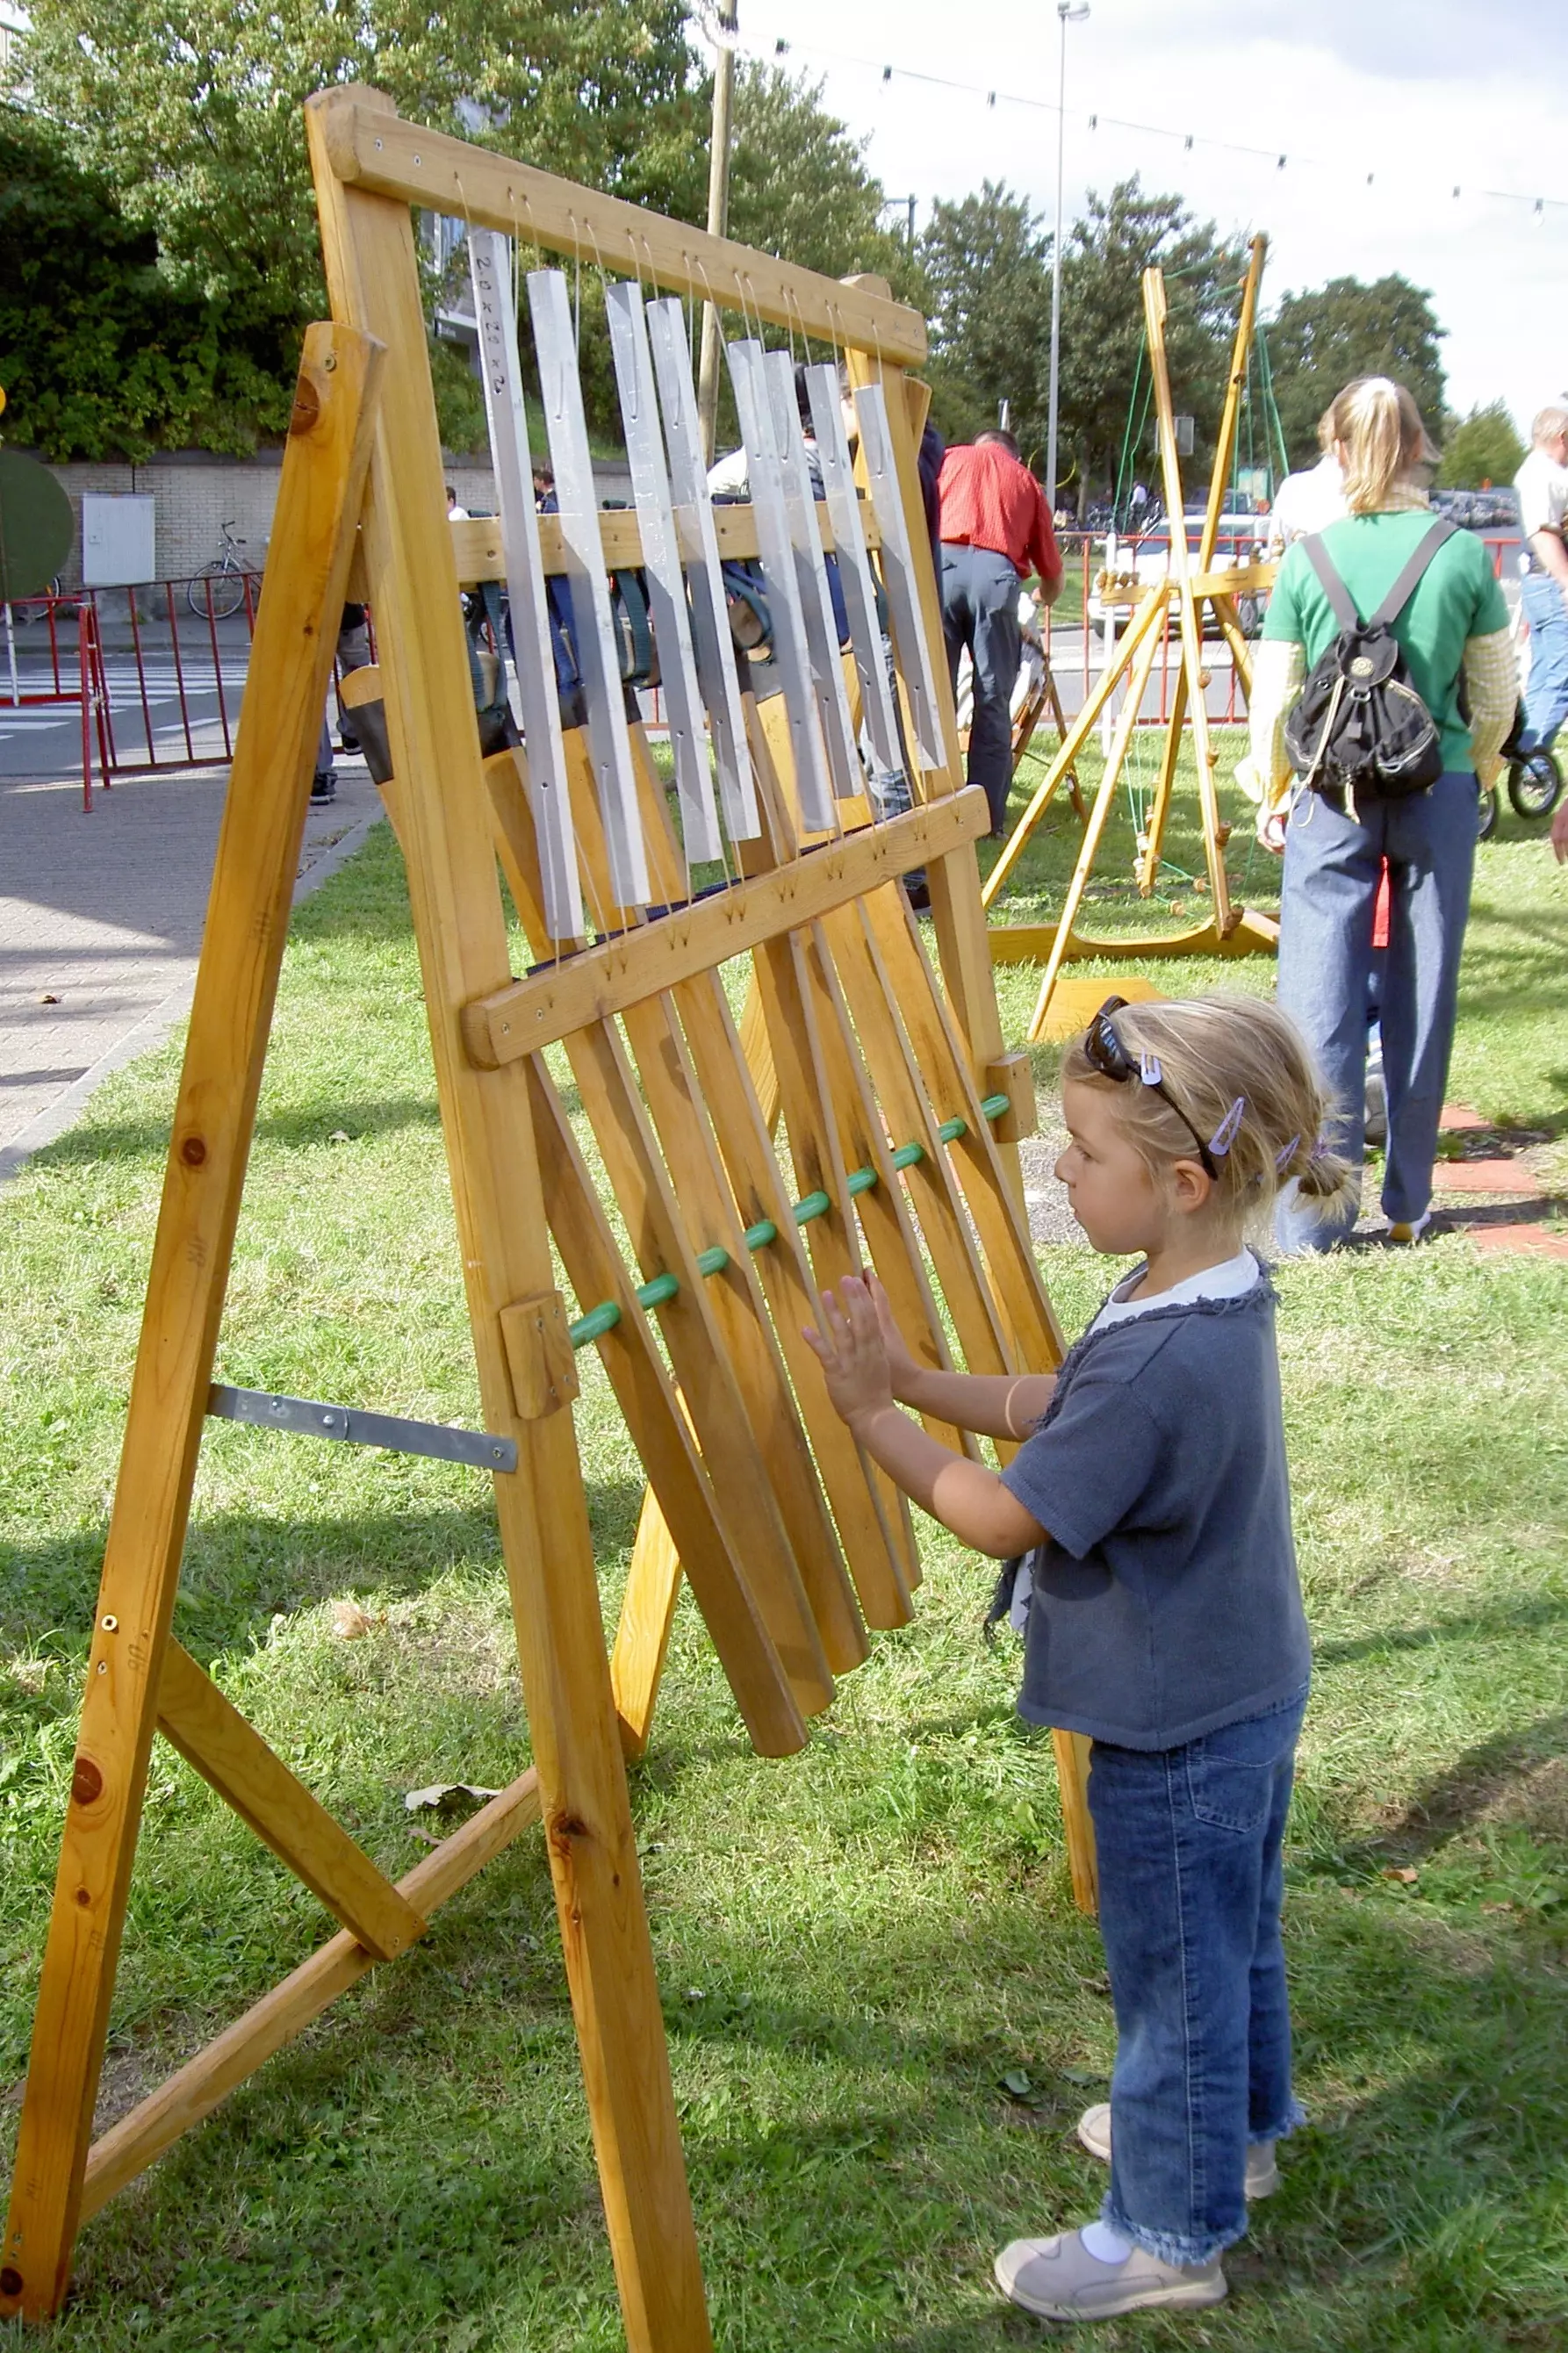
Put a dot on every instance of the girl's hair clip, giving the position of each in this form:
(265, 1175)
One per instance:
(1148, 1069)
(1282, 1159)
(1226, 1133)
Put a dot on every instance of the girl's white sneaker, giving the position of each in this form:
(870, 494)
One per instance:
(1262, 2170)
(1058, 2279)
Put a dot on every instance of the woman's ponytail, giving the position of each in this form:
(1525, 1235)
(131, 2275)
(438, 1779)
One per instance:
(1378, 426)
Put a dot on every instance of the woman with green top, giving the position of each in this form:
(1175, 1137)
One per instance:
(1455, 636)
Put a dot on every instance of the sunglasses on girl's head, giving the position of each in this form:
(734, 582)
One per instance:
(1112, 1060)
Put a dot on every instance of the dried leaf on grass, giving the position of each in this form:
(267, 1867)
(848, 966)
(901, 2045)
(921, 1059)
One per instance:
(448, 1797)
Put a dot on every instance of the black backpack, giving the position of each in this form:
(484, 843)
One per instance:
(1359, 727)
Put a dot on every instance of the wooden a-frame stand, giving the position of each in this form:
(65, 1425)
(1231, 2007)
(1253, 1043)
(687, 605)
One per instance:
(900, 1111)
(1180, 598)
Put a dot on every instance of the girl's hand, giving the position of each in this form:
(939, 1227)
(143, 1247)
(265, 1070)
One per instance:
(903, 1365)
(852, 1349)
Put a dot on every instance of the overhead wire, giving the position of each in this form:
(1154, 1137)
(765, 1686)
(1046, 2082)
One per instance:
(1189, 140)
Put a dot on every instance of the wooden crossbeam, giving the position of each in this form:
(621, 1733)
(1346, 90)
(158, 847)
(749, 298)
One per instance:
(478, 552)
(128, 2147)
(211, 1735)
(602, 980)
(370, 147)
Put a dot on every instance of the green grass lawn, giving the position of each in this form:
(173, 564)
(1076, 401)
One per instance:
(858, 1947)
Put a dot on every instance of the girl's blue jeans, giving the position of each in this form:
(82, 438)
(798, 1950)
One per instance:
(1191, 1877)
(1327, 896)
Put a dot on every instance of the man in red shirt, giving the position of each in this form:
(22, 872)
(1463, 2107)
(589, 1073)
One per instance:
(995, 530)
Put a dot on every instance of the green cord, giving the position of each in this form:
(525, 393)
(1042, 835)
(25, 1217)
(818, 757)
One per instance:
(662, 1288)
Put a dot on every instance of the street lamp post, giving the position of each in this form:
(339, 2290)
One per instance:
(1067, 13)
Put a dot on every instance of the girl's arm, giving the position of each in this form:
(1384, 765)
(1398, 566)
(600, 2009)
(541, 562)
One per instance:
(963, 1496)
(997, 1405)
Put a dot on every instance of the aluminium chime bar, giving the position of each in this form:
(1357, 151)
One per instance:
(792, 646)
(899, 571)
(777, 379)
(701, 554)
(661, 1288)
(599, 661)
(854, 564)
(262, 1409)
(489, 267)
(661, 564)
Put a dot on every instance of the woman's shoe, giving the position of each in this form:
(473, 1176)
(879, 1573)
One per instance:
(1058, 2279)
(1262, 2170)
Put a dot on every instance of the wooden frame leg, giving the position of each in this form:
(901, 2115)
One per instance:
(1104, 801)
(372, 274)
(319, 498)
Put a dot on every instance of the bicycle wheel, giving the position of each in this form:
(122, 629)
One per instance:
(1534, 783)
(1486, 816)
(228, 592)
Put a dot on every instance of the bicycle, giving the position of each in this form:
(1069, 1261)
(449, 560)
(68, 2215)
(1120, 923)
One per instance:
(28, 609)
(227, 575)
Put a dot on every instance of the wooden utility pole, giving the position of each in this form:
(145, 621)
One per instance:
(718, 216)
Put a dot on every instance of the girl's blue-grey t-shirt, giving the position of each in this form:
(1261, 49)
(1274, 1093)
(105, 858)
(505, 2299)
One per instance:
(1165, 1598)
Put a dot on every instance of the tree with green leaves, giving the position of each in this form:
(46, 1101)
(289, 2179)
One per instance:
(100, 355)
(187, 115)
(1319, 339)
(188, 111)
(799, 186)
(1102, 335)
(1485, 447)
(986, 268)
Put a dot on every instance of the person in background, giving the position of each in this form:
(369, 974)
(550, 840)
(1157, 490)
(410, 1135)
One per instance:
(1308, 501)
(1453, 629)
(996, 530)
(1541, 483)
(354, 653)
(455, 513)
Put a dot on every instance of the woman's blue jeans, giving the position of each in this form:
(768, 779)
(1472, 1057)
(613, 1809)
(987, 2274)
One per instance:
(1327, 897)
(1191, 1877)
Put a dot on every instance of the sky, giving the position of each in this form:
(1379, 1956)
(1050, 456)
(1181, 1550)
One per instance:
(1425, 99)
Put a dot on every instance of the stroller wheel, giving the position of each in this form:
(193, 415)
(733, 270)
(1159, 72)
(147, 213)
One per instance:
(1486, 816)
(1534, 783)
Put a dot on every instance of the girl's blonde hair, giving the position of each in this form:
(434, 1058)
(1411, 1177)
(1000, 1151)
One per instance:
(1379, 427)
(1213, 1053)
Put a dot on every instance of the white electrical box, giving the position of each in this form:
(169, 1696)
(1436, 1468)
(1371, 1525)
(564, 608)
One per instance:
(117, 538)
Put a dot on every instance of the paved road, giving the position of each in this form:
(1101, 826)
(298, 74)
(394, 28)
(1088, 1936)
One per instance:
(100, 925)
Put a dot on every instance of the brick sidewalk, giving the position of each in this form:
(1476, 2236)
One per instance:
(100, 925)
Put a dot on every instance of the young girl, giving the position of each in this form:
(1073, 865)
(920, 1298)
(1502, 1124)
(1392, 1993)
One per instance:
(1164, 1618)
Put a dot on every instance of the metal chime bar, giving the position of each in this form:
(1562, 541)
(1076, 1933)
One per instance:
(694, 522)
(349, 1426)
(609, 742)
(898, 570)
(662, 1288)
(854, 563)
(489, 267)
(765, 474)
(661, 564)
(811, 572)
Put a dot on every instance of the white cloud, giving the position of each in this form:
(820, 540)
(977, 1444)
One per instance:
(1423, 98)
